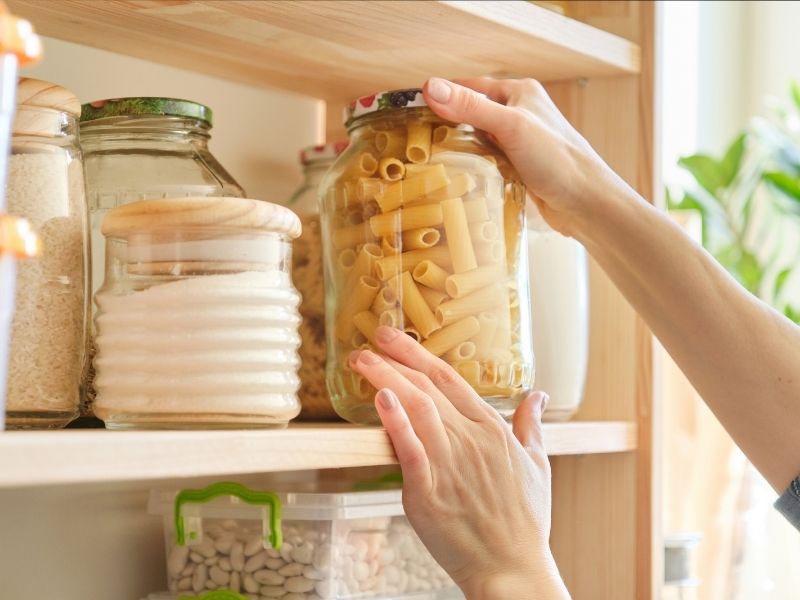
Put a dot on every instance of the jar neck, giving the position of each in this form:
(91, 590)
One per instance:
(314, 172)
(146, 132)
(390, 118)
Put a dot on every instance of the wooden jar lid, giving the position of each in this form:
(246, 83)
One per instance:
(33, 95)
(197, 212)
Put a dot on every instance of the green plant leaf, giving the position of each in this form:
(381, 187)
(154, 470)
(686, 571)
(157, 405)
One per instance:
(795, 90)
(781, 280)
(733, 159)
(707, 171)
(792, 313)
(750, 271)
(784, 182)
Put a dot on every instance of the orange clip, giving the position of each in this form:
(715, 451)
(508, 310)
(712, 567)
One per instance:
(17, 37)
(18, 238)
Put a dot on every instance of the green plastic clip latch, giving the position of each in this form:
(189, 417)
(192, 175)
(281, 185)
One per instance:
(215, 595)
(227, 488)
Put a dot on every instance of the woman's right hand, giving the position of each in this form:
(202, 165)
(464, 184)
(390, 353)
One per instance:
(564, 175)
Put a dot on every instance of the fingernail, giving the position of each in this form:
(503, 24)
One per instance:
(369, 358)
(439, 90)
(385, 334)
(386, 399)
(354, 356)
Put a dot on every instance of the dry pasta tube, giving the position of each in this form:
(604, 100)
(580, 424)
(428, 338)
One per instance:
(433, 297)
(461, 284)
(477, 302)
(460, 185)
(464, 351)
(431, 275)
(427, 237)
(366, 322)
(364, 165)
(391, 142)
(360, 298)
(370, 210)
(351, 235)
(384, 300)
(346, 260)
(443, 134)
(367, 188)
(502, 336)
(413, 333)
(364, 264)
(486, 231)
(476, 210)
(358, 387)
(389, 266)
(353, 217)
(358, 340)
(483, 339)
(344, 194)
(451, 336)
(391, 318)
(404, 219)
(391, 169)
(418, 141)
(401, 192)
(391, 245)
(470, 370)
(490, 253)
(458, 238)
(415, 307)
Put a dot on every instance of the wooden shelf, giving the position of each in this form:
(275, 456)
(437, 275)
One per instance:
(31, 458)
(338, 51)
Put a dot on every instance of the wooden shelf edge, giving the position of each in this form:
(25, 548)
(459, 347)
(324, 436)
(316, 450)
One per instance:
(30, 458)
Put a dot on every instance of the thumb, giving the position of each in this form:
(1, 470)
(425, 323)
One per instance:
(527, 422)
(460, 104)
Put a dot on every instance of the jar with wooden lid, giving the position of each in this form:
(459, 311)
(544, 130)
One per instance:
(142, 148)
(197, 317)
(46, 187)
(308, 279)
(424, 229)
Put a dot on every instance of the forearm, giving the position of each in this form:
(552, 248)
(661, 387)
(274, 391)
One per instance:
(536, 582)
(741, 356)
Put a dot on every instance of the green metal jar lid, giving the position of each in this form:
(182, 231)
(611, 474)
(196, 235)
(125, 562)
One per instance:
(145, 106)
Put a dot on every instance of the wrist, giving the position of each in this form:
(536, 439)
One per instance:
(530, 581)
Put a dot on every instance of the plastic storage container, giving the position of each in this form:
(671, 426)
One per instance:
(424, 229)
(197, 318)
(145, 148)
(326, 545)
(560, 303)
(307, 273)
(45, 185)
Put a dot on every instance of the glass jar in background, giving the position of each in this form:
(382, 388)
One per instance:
(144, 148)
(423, 226)
(560, 305)
(46, 187)
(308, 279)
(197, 317)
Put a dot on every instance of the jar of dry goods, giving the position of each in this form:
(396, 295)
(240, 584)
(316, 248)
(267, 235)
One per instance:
(197, 317)
(145, 148)
(45, 186)
(308, 279)
(424, 230)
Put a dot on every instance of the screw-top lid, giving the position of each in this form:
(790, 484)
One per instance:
(145, 106)
(391, 100)
(44, 94)
(17, 37)
(324, 152)
(170, 213)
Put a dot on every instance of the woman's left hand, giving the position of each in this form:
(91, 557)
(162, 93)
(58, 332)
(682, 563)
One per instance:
(476, 491)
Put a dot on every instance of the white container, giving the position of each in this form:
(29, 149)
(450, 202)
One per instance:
(560, 309)
(333, 546)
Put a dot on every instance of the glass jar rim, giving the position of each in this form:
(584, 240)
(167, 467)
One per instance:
(41, 121)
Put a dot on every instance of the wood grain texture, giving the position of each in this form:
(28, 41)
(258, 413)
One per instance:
(74, 456)
(338, 51)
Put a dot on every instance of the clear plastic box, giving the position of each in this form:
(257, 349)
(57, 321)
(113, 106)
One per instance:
(327, 545)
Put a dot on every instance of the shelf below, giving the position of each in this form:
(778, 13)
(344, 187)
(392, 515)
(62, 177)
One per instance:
(338, 51)
(30, 458)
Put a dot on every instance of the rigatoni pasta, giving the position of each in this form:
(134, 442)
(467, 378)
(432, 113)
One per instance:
(431, 240)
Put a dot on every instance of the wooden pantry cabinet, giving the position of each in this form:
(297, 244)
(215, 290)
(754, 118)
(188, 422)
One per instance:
(74, 524)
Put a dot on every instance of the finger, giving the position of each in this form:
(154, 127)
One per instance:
(411, 354)
(446, 408)
(527, 421)
(461, 104)
(419, 406)
(408, 447)
(499, 90)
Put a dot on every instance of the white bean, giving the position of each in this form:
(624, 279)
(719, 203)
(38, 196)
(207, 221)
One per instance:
(250, 584)
(269, 577)
(291, 570)
(225, 564)
(274, 563)
(235, 584)
(303, 553)
(310, 572)
(176, 562)
(199, 578)
(255, 562)
(273, 591)
(219, 576)
(254, 544)
(286, 552)
(299, 585)
(185, 584)
(237, 556)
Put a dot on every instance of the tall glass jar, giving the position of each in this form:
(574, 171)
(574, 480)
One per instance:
(307, 273)
(424, 230)
(197, 318)
(144, 148)
(45, 186)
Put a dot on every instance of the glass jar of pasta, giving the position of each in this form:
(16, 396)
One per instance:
(424, 230)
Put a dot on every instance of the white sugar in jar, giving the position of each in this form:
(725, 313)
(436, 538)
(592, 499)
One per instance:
(197, 320)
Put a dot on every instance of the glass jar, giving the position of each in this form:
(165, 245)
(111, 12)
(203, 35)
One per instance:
(424, 230)
(45, 186)
(197, 317)
(308, 279)
(144, 148)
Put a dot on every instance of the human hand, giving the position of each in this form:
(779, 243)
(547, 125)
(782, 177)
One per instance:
(476, 491)
(565, 176)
